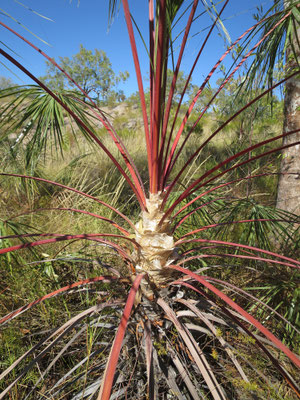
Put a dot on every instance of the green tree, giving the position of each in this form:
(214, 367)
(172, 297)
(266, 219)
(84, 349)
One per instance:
(90, 70)
(262, 115)
(180, 84)
(5, 82)
(178, 90)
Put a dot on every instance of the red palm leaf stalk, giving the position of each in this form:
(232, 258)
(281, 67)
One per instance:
(74, 210)
(57, 292)
(251, 320)
(170, 166)
(107, 380)
(156, 241)
(242, 312)
(100, 115)
(173, 84)
(151, 66)
(72, 190)
(149, 144)
(158, 99)
(164, 176)
(137, 190)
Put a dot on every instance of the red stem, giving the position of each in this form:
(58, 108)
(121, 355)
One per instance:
(121, 147)
(55, 293)
(113, 223)
(203, 228)
(117, 140)
(81, 236)
(151, 44)
(246, 294)
(251, 319)
(137, 190)
(221, 255)
(173, 84)
(169, 167)
(242, 312)
(195, 186)
(246, 162)
(227, 184)
(59, 238)
(195, 210)
(72, 190)
(111, 365)
(218, 130)
(139, 79)
(241, 246)
(165, 166)
(157, 96)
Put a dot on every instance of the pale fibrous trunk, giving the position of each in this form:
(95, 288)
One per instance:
(157, 249)
(288, 194)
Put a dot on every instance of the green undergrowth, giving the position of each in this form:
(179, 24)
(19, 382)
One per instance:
(28, 275)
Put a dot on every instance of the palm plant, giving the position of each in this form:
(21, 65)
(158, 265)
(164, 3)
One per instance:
(178, 325)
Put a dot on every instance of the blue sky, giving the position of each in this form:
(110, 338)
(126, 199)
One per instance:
(87, 24)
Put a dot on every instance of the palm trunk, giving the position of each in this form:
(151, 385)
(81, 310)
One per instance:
(288, 194)
(157, 247)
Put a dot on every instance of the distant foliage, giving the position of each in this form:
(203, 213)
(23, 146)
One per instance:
(5, 83)
(92, 70)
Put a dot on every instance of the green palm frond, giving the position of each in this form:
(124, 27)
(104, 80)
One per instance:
(173, 7)
(114, 6)
(271, 54)
(267, 226)
(36, 120)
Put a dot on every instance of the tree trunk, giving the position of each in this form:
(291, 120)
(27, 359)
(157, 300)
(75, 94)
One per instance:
(288, 194)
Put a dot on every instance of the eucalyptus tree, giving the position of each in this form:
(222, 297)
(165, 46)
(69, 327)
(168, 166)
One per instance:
(5, 82)
(92, 70)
